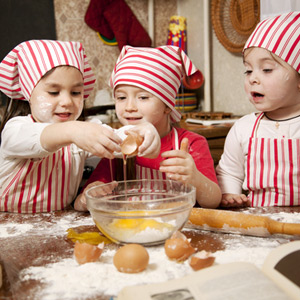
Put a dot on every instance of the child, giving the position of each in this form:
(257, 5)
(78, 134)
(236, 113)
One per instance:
(42, 155)
(262, 150)
(145, 82)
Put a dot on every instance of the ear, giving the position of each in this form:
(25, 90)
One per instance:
(167, 110)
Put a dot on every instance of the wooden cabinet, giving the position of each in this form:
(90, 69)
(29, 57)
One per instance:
(215, 136)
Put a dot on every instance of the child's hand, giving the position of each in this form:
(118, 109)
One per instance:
(179, 164)
(96, 139)
(150, 147)
(92, 137)
(234, 200)
(80, 201)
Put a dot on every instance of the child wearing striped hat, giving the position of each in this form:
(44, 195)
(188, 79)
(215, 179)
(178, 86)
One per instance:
(145, 82)
(42, 154)
(262, 150)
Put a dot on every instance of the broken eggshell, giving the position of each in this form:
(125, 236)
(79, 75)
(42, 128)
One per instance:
(201, 260)
(131, 144)
(178, 247)
(85, 252)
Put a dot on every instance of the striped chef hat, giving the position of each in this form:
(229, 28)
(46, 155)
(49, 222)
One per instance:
(28, 62)
(156, 70)
(281, 36)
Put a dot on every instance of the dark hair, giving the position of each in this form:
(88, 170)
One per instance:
(13, 108)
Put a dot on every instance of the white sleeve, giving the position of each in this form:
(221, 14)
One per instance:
(231, 168)
(21, 138)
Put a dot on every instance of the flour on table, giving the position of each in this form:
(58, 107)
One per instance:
(66, 279)
(57, 226)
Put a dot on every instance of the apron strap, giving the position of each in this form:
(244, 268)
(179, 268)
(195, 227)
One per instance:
(256, 124)
(175, 140)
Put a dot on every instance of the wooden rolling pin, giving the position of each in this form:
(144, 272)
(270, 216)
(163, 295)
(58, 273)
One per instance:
(238, 222)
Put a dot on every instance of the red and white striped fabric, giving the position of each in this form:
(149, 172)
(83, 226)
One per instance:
(272, 171)
(281, 36)
(51, 192)
(157, 70)
(28, 62)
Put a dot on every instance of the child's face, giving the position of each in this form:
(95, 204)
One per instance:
(58, 96)
(135, 105)
(271, 84)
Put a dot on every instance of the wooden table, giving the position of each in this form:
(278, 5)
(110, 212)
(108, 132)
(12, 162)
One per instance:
(36, 240)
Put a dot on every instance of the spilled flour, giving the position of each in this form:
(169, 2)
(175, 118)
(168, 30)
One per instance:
(66, 279)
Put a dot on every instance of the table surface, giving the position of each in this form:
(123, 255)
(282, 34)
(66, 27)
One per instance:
(38, 240)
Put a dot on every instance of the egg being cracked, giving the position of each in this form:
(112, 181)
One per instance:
(178, 247)
(131, 258)
(131, 144)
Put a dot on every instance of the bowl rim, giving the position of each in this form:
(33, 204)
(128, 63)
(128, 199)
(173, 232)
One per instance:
(106, 198)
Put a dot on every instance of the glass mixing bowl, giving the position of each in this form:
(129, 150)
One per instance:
(145, 211)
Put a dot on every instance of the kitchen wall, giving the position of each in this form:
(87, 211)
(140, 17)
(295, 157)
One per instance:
(226, 68)
(70, 25)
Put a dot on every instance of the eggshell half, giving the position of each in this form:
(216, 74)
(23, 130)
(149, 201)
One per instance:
(85, 253)
(178, 248)
(201, 260)
(131, 144)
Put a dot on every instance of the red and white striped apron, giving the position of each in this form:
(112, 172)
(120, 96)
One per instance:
(148, 173)
(40, 185)
(273, 170)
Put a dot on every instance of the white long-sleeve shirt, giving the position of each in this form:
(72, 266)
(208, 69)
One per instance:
(33, 179)
(232, 166)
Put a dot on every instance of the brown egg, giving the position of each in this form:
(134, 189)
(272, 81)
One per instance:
(200, 260)
(131, 144)
(85, 252)
(131, 258)
(178, 247)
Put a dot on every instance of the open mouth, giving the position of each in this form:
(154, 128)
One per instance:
(256, 95)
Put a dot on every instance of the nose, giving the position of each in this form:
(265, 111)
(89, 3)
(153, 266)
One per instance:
(65, 99)
(254, 78)
(131, 104)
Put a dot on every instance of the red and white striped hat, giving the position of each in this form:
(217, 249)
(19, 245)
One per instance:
(157, 70)
(28, 62)
(281, 36)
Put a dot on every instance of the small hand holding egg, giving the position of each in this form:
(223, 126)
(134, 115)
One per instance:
(131, 258)
(85, 252)
(178, 247)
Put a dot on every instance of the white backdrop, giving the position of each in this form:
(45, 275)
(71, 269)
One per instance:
(269, 8)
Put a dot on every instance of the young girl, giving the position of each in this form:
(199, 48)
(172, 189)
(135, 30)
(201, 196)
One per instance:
(145, 82)
(262, 150)
(42, 154)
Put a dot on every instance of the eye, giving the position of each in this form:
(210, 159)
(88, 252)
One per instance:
(53, 93)
(76, 93)
(247, 72)
(267, 70)
(144, 97)
(120, 98)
